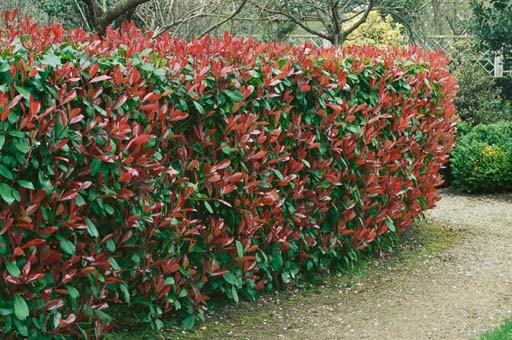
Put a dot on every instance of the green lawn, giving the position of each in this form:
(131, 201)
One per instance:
(504, 332)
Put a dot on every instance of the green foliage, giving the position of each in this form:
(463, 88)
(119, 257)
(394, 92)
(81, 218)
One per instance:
(478, 98)
(463, 128)
(482, 159)
(492, 23)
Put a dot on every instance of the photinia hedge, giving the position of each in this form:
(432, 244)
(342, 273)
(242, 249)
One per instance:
(154, 174)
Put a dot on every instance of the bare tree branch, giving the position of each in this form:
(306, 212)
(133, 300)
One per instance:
(117, 10)
(102, 17)
(82, 14)
(159, 30)
(298, 22)
(222, 22)
(361, 20)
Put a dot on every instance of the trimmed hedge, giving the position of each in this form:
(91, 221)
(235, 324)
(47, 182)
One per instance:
(156, 174)
(482, 159)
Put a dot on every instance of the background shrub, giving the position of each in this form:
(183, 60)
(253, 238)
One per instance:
(482, 159)
(479, 98)
(157, 173)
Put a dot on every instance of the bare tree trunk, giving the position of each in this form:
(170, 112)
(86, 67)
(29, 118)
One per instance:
(101, 16)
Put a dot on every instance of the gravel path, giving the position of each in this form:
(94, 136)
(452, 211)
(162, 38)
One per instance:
(455, 293)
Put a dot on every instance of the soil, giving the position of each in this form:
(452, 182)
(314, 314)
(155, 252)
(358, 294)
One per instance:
(458, 285)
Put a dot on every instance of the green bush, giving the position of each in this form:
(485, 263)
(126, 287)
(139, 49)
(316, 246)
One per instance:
(479, 98)
(482, 159)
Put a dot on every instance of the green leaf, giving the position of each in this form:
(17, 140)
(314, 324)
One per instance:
(6, 172)
(276, 261)
(230, 278)
(356, 129)
(278, 174)
(285, 276)
(20, 307)
(67, 246)
(199, 107)
(239, 249)
(13, 269)
(390, 224)
(6, 193)
(73, 292)
(51, 60)
(25, 37)
(17, 134)
(235, 294)
(21, 327)
(6, 310)
(227, 150)
(145, 52)
(126, 293)
(189, 322)
(5, 67)
(23, 91)
(79, 201)
(108, 209)
(8, 324)
(22, 145)
(208, 207)
(306, 163)
(2, 141)
(111, 246)
(26, 184)
(234, 95)
(91, 228)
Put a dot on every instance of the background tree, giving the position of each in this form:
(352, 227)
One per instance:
(327, 19)
(492, 26)
(377, 31)
(187, 19)
(492, 23)
(102, 13)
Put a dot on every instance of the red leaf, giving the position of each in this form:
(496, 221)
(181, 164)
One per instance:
(150, 107)
(35, 242)
(141, 139)
(178, 115)
(76, 119)
(15, 101)
(120, 101)
(214, 178)
(68, 321)
(35, 106)
(68, 195)
(93, 70)
(222, 165)
(99, 78)
(69, 97)
(125, 176)
(219, 272)
(5, 114)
